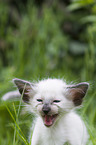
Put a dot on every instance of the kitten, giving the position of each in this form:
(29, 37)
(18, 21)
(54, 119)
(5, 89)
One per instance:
(53, 102)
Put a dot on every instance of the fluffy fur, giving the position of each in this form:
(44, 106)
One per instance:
(53, 102)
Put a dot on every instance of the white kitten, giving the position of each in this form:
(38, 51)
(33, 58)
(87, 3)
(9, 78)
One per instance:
(53, 101)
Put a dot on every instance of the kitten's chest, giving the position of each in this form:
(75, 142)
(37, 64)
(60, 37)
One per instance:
(54, 136)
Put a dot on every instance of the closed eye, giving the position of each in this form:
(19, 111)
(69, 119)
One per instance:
(39, 100)
(56, 101)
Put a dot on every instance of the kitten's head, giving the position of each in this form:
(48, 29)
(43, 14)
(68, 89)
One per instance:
(51, 98)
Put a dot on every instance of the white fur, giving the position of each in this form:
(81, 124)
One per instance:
(10, 95)
(68, 126)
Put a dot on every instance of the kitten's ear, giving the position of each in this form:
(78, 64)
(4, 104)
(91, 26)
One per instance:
(77, 92)
(24, 88)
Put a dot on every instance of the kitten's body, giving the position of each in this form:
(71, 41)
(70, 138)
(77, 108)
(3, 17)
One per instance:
(69, 129)
(53, 101)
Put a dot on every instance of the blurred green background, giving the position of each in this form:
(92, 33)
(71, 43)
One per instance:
(41, 39)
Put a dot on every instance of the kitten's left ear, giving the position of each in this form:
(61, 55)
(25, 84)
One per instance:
(77, 92)
(24, 88)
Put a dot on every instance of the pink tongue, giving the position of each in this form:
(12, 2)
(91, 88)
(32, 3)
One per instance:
(48, 120)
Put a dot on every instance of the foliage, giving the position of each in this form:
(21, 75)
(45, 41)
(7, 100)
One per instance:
(46, 39)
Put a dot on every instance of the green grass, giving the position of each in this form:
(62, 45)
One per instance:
(15, 125)
(34, 45)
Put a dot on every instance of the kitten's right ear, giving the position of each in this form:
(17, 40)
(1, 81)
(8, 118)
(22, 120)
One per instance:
(77, 92)
(24, 88)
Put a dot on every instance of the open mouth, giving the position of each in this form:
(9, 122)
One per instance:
(49, 119)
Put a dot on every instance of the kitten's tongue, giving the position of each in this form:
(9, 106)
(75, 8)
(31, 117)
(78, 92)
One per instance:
(48, 120)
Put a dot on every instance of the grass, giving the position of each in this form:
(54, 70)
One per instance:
(15, 124)
(39, 48)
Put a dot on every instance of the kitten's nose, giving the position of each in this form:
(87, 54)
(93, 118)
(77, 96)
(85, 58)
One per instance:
(46, 109)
